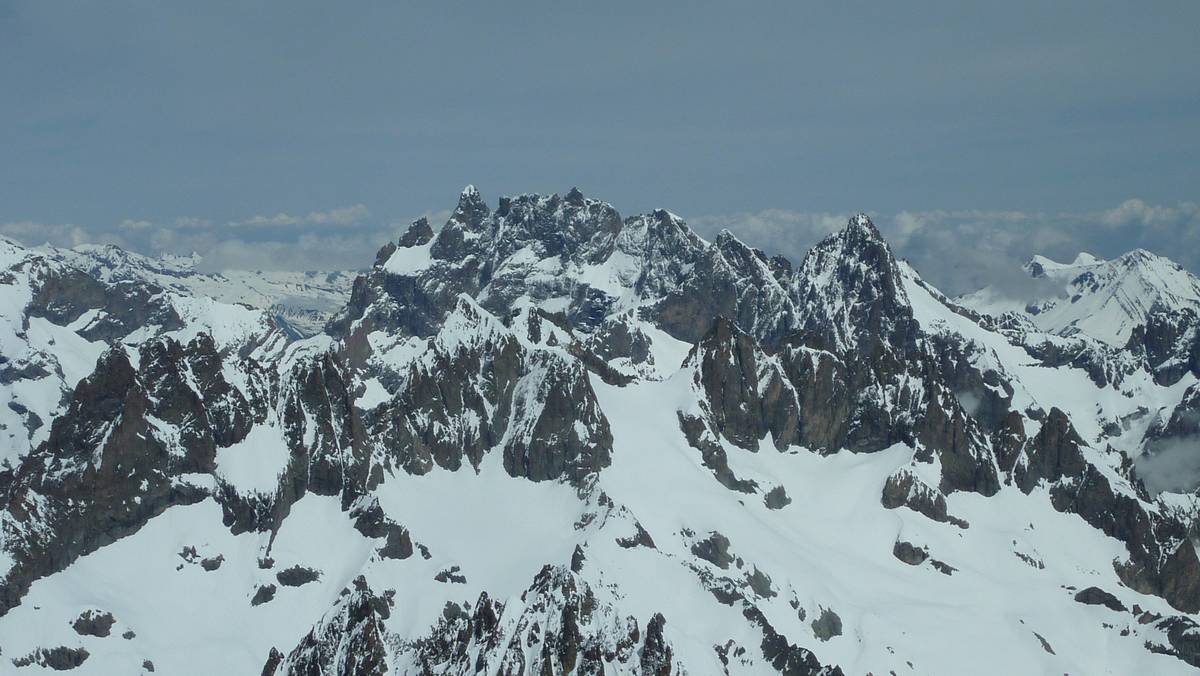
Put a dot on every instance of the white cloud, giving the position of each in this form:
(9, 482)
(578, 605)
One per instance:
(278, 219)
(355, 213)
(1136, 212)
(65, 234)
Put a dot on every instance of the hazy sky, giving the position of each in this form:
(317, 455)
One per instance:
(299, 134)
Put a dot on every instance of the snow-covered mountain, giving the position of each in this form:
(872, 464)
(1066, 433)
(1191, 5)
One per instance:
(1105, 300)
(300, 302)
(549, 439)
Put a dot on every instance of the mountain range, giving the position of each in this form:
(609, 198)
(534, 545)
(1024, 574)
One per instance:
(546, 438)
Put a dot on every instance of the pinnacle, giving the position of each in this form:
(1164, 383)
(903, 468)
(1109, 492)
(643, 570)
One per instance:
(862, 222)
(471, 209)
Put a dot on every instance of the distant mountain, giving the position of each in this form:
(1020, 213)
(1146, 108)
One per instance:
(300, 301)
(1106, 300)
(546, 438)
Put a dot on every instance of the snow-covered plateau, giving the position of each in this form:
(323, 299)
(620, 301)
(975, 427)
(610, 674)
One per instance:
(548, 439)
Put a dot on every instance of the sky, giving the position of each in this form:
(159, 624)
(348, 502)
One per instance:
(305, 134)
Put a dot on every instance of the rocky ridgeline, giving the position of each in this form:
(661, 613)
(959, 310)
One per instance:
(484, 337)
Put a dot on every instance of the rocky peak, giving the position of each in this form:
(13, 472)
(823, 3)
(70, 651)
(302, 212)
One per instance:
(417, 234)
(862, 226)
(574, 227)
(849, 288)
(574, 197)
(471, 211)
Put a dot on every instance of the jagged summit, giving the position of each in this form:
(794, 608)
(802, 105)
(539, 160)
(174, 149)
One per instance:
(863, 222)
(471, 210)
(574, 197)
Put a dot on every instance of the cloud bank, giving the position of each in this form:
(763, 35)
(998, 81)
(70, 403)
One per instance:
(340, 238)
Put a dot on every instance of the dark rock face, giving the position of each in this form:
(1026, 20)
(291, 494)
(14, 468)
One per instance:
(65, 295)
(450, 575)
(827, 625)
(641, 538)
(618, 338)
(905, 489)
(1180, 429)
(1045, 644)
(1161, 559)
(714, 549)
(93, 623)
(655, 655)
(730, 373)
(1183, 635)
(319, 405)
(418, 233)
(1095, 596)
(909, 553)
(1169, 342)
(777, 498)
(1053, 454)
(546, 441)
(263, 594)
(784, 656)
(370, 520)
(760, 584)
(297, 576)
(696, 431)
(61, 658)
(462, 399)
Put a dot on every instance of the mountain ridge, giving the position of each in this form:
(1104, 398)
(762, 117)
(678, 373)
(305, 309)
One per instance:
(522, 426)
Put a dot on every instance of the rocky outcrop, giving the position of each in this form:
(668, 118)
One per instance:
(560, 625)
(65, 294)
(322, 422)
(478, 387)
(1181, 431)
(1095, 596)
(1169, 342)
(61, 658)
(905, 489)
(1053, 454)
(93, 623)
(351, 640)
(745, 395)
